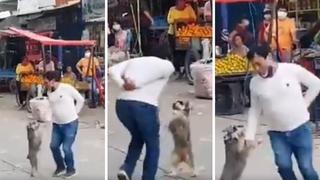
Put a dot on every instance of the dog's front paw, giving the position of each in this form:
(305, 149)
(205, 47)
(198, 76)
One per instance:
(172, 173)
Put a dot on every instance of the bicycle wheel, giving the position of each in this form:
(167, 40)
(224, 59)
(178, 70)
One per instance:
(192, 56)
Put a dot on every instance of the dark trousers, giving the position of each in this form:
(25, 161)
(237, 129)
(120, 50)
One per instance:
(142, 122)
(178, 56)
(297, 142)
(65, 135)
(22, 94)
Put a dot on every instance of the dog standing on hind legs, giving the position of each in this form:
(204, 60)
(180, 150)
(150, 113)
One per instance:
(180, 130)
(236, 153)
(34, 142)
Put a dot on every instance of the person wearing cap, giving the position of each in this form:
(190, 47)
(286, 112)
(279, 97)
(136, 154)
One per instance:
(262, 36)
(277, 98)
(242, 29)
(286, 36)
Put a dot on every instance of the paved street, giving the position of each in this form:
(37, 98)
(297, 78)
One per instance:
(260, 163)
(201, 130)
(89, 147)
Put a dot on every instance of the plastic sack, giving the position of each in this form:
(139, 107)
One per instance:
(202, 73)
(40, 109)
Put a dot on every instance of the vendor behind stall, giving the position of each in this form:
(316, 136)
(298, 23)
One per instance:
(242, 28)
(23, 68)
(70, 74)
(238, 46)
(180, 13)
(49, 64)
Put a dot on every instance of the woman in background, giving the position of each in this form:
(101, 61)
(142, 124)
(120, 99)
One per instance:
(180, 13)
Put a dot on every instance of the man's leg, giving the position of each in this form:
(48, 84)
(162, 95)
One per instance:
(148, 124)
(70, 131)
(282, 152)
(136, 144)
(301, 140)
(56, 141)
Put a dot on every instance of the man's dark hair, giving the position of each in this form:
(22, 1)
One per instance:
(262, 50)
(53, 75)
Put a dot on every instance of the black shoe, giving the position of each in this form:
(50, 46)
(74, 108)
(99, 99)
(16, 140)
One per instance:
(122, 175)
(69, 174)
(58, 172)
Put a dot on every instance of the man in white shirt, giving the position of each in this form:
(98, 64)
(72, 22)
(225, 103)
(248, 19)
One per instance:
(277, 98)
(62, 98)
(141, 80)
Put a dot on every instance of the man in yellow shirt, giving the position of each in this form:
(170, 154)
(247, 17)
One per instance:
(180, 13)
(286, 36)
(88, 71)
(22, 69)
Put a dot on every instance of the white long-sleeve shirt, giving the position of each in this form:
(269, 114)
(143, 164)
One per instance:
(149, 74)
(62, 102)
(279, 99)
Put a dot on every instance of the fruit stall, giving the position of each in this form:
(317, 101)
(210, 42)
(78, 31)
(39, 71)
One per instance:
(46, 42)
(188, 38)
(232, 72)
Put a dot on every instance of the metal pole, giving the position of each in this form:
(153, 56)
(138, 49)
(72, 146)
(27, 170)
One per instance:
(44, 58)
(139, 27)
(93, 77)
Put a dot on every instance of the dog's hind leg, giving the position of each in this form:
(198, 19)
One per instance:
(190, 162)
(34, 164)
(175, 160)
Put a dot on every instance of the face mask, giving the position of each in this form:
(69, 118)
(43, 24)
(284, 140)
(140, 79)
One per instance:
(87, 55)
(116, 27)
(246, 22)
(267, 16)
(282, 15)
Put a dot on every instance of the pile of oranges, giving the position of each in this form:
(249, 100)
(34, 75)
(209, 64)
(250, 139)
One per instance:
(193, 30)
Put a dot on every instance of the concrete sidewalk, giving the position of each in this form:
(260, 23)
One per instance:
(260, 165)
(89, 146)
(201, 130)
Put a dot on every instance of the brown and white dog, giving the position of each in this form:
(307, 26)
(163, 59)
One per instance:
(179, 127)
(34, 142)
(236, 153)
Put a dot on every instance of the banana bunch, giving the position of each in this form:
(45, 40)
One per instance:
(231, 65)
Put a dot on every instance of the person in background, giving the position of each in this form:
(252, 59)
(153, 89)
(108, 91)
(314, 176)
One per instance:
(180, 13)
(207, 12)
(242, 29)
(277, 98)
(263, 36)
(137, 109)
(66, 103)
(49, 64)
(88, 71)
(70, 74)
(24, 68)
(311, 37)
(238, 46)
(286, 36)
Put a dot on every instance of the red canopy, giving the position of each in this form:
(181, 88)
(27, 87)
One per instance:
(237, 1)
(49, 41)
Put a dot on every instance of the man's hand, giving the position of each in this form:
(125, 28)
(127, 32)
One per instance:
(128, 84)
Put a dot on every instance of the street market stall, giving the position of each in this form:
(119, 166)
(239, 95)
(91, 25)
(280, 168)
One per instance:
(232, 75)
(47, 42)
